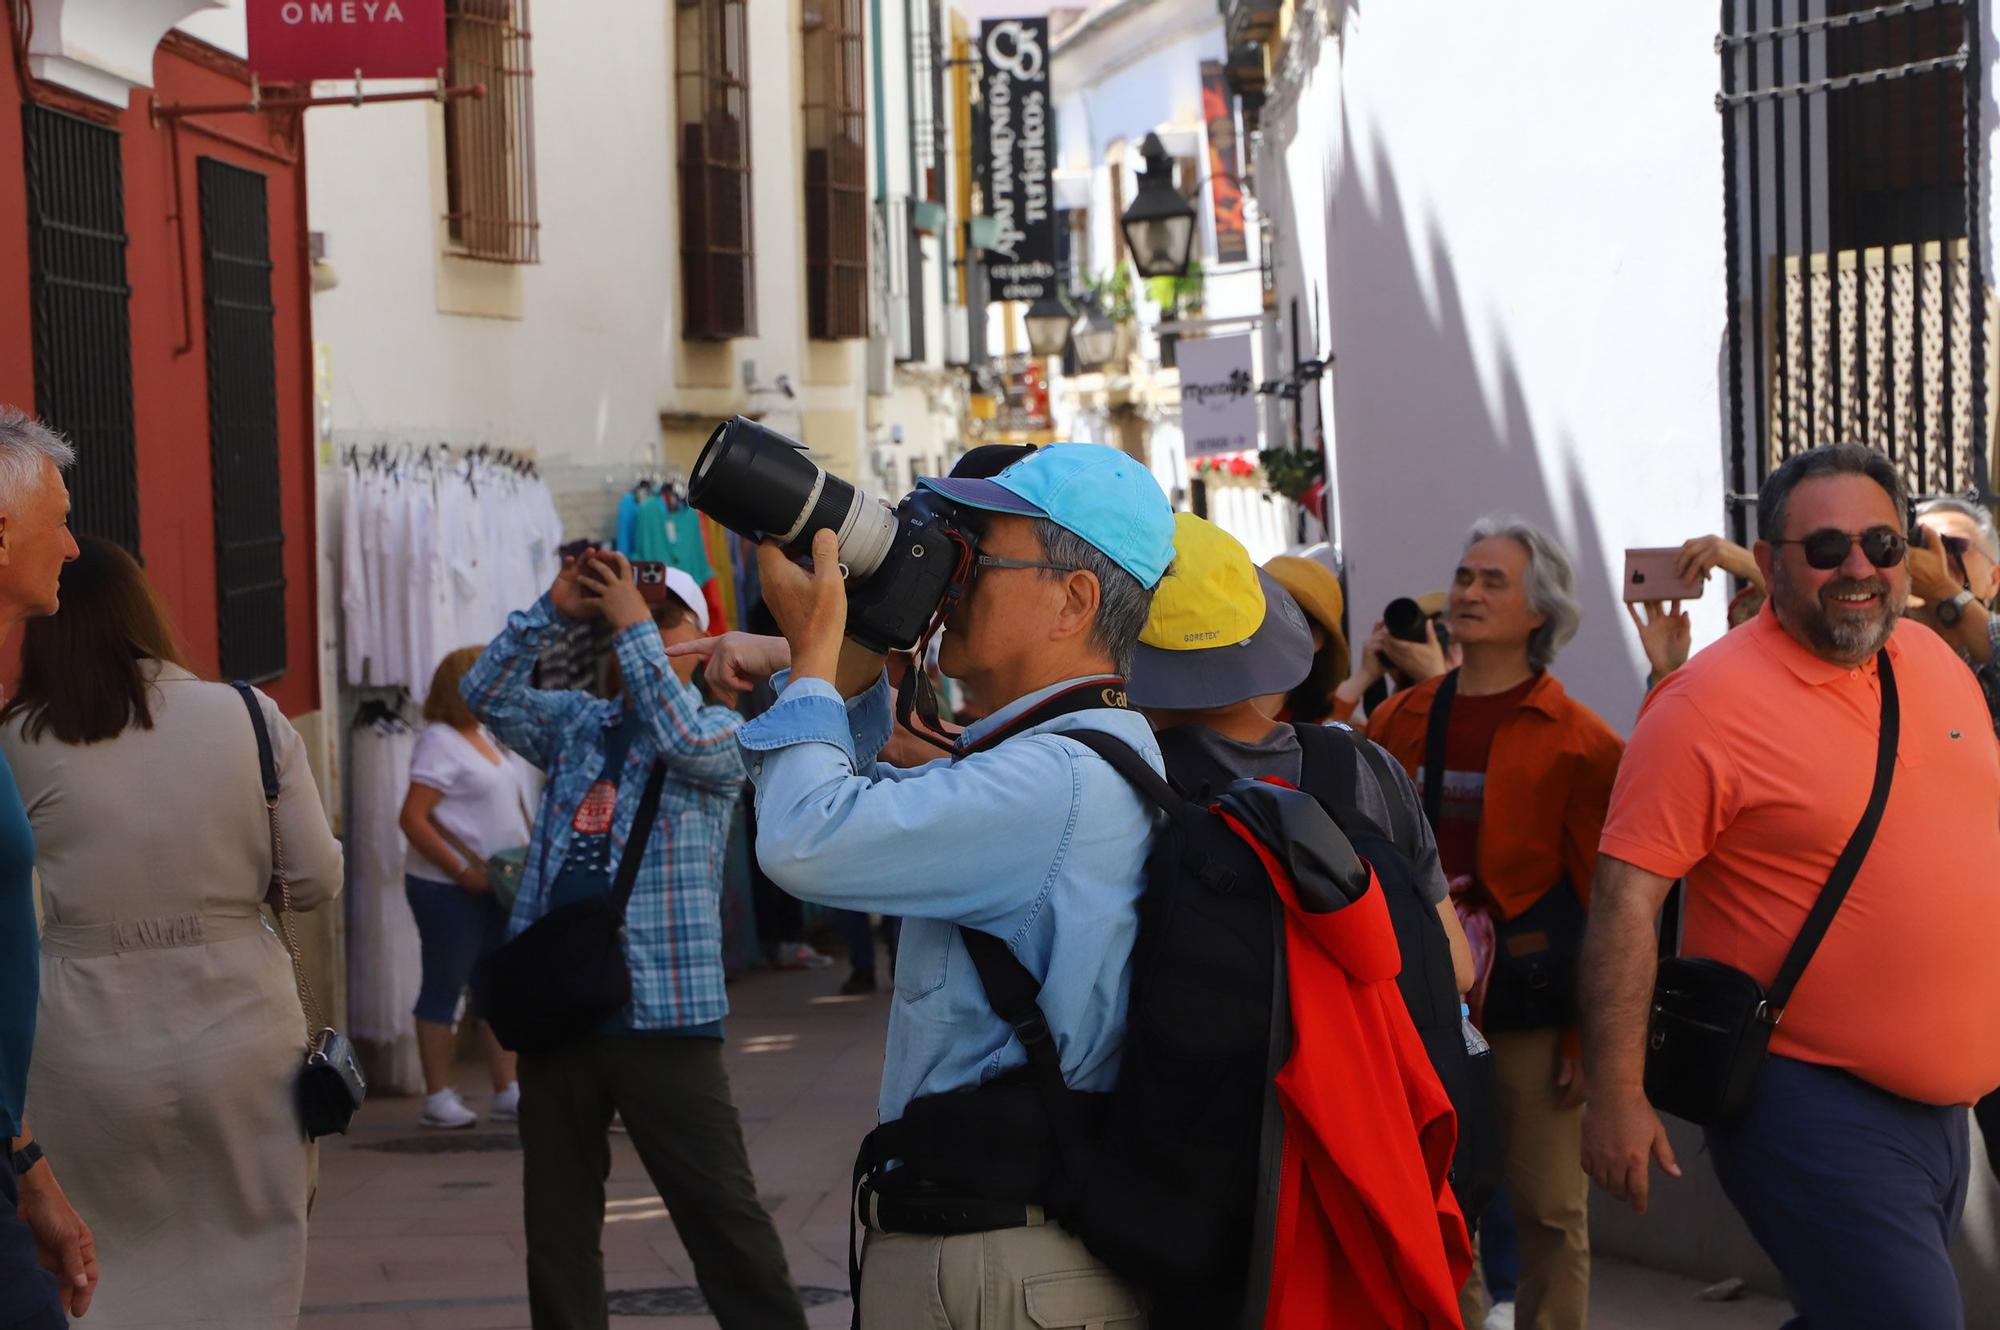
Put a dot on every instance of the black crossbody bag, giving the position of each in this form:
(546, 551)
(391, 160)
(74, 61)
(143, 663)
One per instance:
(330, 1086)
(1711, 1024)
(1533, 985)
(566, 972)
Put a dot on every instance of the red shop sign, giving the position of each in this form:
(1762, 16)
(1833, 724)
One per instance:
(297, 40)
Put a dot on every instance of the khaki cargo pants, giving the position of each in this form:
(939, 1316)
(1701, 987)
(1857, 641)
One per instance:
(1032, 1278)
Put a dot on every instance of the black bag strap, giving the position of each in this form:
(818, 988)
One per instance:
(267, 762)
(1134, 768)
(635, 844)
(267, 771)
(1435, 737)
(1325, 770)
(1319, 742)
(1849, 863)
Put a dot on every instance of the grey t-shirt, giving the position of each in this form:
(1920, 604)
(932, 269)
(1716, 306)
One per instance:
(1278, 754)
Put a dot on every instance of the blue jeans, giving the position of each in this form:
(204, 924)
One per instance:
(1854, 1192)
(28, 1298)
(1500, 1249)
(455, 929)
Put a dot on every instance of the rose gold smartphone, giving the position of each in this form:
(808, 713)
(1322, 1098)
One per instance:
(1650, 575)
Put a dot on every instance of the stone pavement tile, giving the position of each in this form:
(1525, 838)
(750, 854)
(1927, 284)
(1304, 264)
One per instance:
(1624, 1296)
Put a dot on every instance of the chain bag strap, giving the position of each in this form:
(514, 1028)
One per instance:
(330, 1086)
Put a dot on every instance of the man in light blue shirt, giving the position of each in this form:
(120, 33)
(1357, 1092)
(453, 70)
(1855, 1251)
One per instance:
(1022, 833)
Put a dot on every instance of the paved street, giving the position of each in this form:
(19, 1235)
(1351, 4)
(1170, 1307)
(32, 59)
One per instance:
(421, 1230)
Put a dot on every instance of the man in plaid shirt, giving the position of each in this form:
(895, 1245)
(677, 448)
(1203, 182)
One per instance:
(659, 1063)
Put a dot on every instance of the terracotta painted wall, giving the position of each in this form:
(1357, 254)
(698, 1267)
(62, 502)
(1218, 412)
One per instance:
(169, 360)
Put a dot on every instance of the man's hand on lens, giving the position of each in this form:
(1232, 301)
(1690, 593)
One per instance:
(567, 593)
(63, 1242)
(608, 586)
(1419, 660)
(1621, 1134)
(737, 661)
(1667, 634)
(811, 607)
(1931, 573)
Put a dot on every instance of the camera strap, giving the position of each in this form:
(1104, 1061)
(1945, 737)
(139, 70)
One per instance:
(1107, 690)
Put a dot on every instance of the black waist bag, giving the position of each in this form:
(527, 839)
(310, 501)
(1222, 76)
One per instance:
(1533, 983)
(566, 973)
(1711, 1023)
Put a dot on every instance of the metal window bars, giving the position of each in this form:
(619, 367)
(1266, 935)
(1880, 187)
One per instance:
(80, 316)
(238, 314)
(1853, 244)
(718, 249)
(836, 171)
(489, 142)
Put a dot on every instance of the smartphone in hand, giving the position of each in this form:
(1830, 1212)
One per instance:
(1650, 575)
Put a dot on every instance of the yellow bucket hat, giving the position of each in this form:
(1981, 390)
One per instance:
(1221, 630)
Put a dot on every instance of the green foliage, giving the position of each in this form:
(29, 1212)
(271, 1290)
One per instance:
(1178, 296)
(1113, 290)
(1291, 473)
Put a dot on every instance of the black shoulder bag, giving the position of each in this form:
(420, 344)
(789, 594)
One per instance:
(566, 973)
(1711, 1023)
(330, 1086)
(1533, 985)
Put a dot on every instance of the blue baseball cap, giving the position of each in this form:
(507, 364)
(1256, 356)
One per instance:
(1087, 489)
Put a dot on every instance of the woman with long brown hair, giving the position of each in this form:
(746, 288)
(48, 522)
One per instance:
(170, 1031)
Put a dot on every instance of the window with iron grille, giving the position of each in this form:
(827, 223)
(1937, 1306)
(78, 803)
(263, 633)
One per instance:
(836, 171)
(718, 260)
(80, 317)
(243, 421)
(489, 142)
(1852, 238)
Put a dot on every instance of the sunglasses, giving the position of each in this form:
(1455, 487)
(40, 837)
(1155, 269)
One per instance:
(1827, 549)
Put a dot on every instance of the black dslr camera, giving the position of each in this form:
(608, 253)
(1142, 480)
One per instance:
(900, 562)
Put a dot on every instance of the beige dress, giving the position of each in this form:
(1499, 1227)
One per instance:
(170, 1032)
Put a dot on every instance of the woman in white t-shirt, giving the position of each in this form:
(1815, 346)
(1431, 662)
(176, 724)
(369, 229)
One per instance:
(466, 803)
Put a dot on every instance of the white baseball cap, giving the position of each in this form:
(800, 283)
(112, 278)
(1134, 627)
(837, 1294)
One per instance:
(683, 588)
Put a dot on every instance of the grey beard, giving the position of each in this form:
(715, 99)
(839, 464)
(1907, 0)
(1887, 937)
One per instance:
(1846, 642)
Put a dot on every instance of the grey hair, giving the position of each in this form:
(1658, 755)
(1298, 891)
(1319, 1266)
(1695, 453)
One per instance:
(1832, 459)
(25, 443)
(1551, 583)
(1123, 603)
(1980, 517)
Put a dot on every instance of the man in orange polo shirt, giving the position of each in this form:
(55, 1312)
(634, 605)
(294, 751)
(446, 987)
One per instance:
(1518, 802)
(1748, 773)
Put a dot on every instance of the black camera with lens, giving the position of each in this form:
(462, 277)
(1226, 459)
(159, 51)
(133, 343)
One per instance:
(900, 562)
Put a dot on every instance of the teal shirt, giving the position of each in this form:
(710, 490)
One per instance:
(20, 952)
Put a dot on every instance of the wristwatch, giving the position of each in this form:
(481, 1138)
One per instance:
(27, 1157)
(1949, 612)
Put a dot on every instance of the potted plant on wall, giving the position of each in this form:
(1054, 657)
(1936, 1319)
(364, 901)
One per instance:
(1112, 290)
(1178, 298)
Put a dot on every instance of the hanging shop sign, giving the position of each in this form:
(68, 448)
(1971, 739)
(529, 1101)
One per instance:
(1225, 170)
(1218, 395)
(1017, 153)
(294, 41)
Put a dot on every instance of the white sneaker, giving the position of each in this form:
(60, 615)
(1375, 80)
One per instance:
(446, 1109)
(1500, 1317)
(800, 956)
(506, 1105)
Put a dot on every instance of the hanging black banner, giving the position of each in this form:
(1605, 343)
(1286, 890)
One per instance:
(1018, 152)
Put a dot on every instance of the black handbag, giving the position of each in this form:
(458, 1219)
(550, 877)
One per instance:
(566, 973)
(330, 1086)
(1533, 983)
(1711, 1023)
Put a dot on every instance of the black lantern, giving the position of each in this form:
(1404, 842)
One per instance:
(1096, 336)
(1048, 321)
(1159, 226)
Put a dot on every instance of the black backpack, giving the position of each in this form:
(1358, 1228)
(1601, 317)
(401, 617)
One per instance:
(1430, 989)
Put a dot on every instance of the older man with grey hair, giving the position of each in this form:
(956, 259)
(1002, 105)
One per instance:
(1516, 775)
(48, 1261)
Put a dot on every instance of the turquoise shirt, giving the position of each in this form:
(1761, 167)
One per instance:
(20, 952)
(1036, 840)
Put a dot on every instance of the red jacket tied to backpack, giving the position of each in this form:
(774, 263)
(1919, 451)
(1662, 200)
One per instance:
(1368, 1233)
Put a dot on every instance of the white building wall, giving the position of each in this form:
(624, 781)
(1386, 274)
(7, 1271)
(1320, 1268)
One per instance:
(1521, 281)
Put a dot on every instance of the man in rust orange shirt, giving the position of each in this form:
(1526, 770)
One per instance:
(1518, 799)
(1747, 774)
